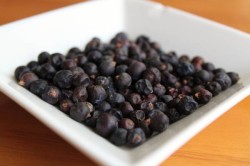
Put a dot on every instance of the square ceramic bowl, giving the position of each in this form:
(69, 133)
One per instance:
(57, 31)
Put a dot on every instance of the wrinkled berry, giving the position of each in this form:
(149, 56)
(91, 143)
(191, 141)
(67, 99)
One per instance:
(97, 94)
(65, 105)
(38, 87)
(144, 86)
(187, 105)
(80, 94)
(106, 124)
(81, 111)
(27, 78)
(136, 137)
(223, 79)
(63, 79)
(51, 95)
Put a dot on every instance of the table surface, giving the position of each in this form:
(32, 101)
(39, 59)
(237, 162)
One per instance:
(226, 142)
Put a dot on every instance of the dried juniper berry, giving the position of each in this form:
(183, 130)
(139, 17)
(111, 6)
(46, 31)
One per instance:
(104, 106)
(80, 94)
(107, 68)
(159, 89)
(201, 77)
(120, 69)
(94, 44)
(51, 95)
(208, 66)
(91, 121)
(27, 78)
(43, 57)
(152, 74)
(123, 80)
(136, 53)
(166, 98)
(168, 79)
(69, 63)
(81, 111)
(234, 77)
(146, 105)
(119, 137)
(126, 123)
(137, 115)
(135, 69)
(102, 81)
(81, 79)
(90, 68)
(46, 71)
(172, 92)
(144, 86)
(186, 105)
(66, 94)
(161, 106)
(202, 96)
(173, 115)
(115, 98)
(20, 71)
(136, 137)
(65, 105)
(94, 56)
(74, 50)
(219, 70)
(159, 121)
(76, 70)
(214, 87)
(184, 58)
(151, 98)
(63, 79)
(185, 89)
(97, 94)
(56, 60)
(116, 113)
(33, 65)
(126, 108)
(223, 79)
(170, 57)
(145, 127)
(106, 124)
(38, 87)
(81, 60)
(185, 69)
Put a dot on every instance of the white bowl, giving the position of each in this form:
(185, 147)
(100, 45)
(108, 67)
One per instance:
(185, 33)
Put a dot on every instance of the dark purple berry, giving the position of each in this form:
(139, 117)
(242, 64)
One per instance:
(91, 121)
(143, 86)
(146, 106)
(106, 124)
(38, 87)
(102, 81)
(168, 79)
(159, 121)
(166, 98)
(43, 57)
(33, 65)
(214, 87)
(119, 137)
(136, 137)
(80, 94)
(81, 111)
(187, 105)
(123, 80)
(94, 56)
(115, 98)
(137, 116)
(161, 106)
(223, 79)
(152, 74)
(120, 69)
(94, 44)
(46, 71)
(107, 68)
(151, 98)
(69, 63)
(202, 96)
(208, 66)
(81, 60)
(104, 106)
(185, 69)
(66, 94)
(173, 115)
(63, 79)
(116, 113)
(20, 71)
(234, 77)
(159, 89)
(126, 123)
(56, 60)
(65, 105)
(184, 58)
(81, 79)
(97, 94)
(135, 69)
(126, 108)
(27, 78)
(201, 77)
(90, 68)
(51, 95)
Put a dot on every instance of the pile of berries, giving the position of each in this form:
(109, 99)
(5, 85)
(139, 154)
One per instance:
(126, 90)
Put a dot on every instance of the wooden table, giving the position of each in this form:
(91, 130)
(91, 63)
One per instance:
(25, 141)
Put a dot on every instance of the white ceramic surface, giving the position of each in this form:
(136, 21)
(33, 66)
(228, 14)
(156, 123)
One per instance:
(57, 31)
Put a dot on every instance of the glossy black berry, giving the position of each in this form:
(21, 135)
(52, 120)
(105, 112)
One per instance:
(81, 111)
(119, 137)
(63, 79)
(136, 137)
(106, 124)
(187, 105)
(38, 87)
(51, 95)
